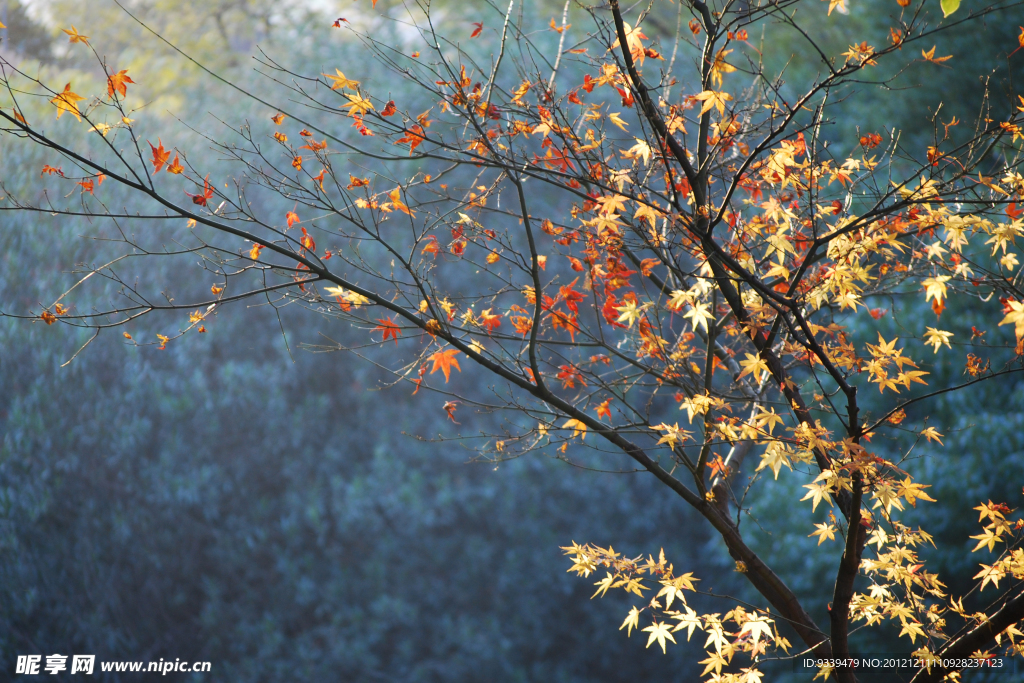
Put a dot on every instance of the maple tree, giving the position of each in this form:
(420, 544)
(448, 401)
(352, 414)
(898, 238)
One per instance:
(699, 246)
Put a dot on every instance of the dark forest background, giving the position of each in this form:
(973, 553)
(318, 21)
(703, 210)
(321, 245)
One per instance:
(241, 499)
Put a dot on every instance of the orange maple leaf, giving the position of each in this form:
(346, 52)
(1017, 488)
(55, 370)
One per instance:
(414, 136)
(390, 330)
(319, 177)
(431, 247)
(489, 320)
(444, 361)
(277, 118)
(1020, 39)
(292, 218)
(175, 167)
(315, 146)
(603, 410)
(160, 156)
(930, 56)
(396, 200)
(558, 29)
(479, 27)
(116, 83)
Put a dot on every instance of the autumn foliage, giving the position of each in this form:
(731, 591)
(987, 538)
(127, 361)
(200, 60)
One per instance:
(692, 290)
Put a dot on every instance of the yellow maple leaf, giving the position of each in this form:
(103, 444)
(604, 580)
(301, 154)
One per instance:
(358, 105)
(713, 98)
(67, 101)
(841, 4)
(74, 36)
(340, 81)
(1015, 316)
(617, 120)
(753, 365)
(578, 428)
(825, 532)
(720, 67)
(912, 492)
(632, 621)
(634, 38)
(659, 632)
(989, 573)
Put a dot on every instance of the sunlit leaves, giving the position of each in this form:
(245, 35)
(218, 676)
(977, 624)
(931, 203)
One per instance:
(720, 67)
(949, 6)
(388, 329)
(357, 104)
(759, 626)
(820, 489)
(753, 365)
(117, 83)
(774, 457)
(1015, 315)
(936, 338)
(617, 120)
(338, 82)
(556, 28)
(713, 99)
(699, 315)
(659, 632)
(929, 56)
(631, 622)
(672, 436)
(67, 101)
(578, 428)
(207, 193)
(444, 361)
(160, 156)
(725, 263)
(634, 43)
(74, 36)
(833, 4)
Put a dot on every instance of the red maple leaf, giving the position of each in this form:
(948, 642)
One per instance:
(201, 199)
(390, 330)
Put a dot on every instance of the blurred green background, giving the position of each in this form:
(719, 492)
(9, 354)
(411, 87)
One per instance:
(239, 500)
